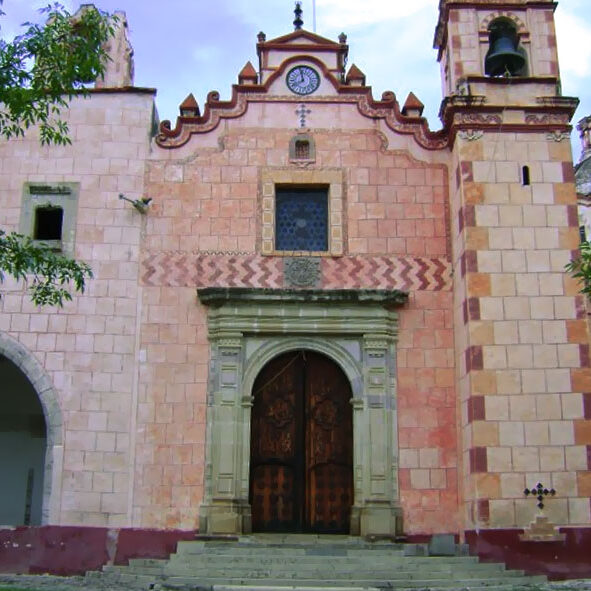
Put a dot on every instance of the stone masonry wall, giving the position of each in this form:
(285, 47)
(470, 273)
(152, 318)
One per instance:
(521, 334)
(87, 348)
(206, 230)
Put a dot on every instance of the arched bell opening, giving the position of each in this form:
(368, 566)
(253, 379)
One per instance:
(23, 443)
(301, 464)
(505, 56)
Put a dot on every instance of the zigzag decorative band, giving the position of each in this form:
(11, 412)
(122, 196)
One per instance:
(179, 269)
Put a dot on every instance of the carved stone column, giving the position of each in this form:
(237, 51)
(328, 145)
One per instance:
(222, 510)
(380, 512)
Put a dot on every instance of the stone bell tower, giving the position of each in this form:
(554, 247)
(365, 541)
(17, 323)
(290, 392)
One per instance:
(521, 335)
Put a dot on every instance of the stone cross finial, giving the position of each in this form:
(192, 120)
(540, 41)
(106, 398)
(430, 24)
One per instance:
(298, 23)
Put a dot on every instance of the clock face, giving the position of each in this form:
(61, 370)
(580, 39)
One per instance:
(302, 80)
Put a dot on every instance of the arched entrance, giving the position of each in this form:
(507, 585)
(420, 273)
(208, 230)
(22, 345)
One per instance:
(30, 382)
(301, 466)
(23, 440)
(248, 329)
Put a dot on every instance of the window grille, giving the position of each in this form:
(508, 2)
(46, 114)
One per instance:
(302, 150)
(301, 219)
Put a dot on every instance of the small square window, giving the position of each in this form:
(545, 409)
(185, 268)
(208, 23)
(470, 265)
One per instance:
(302, 211)
(48, 223)
(301, 218)
(48, 215)
(302, 150)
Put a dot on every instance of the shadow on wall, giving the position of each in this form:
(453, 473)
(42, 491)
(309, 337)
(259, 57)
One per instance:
(23, 440)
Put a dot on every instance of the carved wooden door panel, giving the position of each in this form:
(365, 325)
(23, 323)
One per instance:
(276, 439)
(301, 446)
(329, 446)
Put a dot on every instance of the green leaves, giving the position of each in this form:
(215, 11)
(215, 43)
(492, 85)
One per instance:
(47, 274)
(580, 268)
(45, 67)
(40, 72)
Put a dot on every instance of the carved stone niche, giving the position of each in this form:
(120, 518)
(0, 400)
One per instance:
(358, 330)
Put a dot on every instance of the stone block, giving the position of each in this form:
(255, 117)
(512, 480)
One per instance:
(513, 261)
(499, 459)
(524, 238)
(511, 433)
(548, 408)
(502, 513)
(537, 433)
(512, 485)
(542, 530)
(576, 458)
(508, 382)
(442, 545)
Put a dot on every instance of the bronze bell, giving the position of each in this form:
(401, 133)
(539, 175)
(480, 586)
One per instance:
(502, 58)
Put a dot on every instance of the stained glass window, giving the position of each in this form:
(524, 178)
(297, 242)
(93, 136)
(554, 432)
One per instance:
(301, 219)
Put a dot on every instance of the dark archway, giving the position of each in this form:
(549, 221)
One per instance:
(23, 442)
(301, 474)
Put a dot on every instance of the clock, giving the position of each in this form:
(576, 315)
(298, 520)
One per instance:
(302, 80)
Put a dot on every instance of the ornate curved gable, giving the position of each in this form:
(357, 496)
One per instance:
(300, 68)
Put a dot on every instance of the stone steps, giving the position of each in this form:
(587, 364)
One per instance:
(300, 563)
(190, 547)
(257, 571)
(353, 564)
(149, 582)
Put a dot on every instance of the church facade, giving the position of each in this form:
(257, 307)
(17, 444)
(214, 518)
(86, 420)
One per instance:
(310, 313)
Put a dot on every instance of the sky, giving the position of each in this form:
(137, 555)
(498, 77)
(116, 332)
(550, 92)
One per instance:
(184, 46)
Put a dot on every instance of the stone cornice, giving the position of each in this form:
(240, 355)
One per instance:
(217, 296)
(550, 114)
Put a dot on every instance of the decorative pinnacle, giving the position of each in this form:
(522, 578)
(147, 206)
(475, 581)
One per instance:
(298, 23)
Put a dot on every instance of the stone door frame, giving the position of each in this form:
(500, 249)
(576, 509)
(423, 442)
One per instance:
(357, 329)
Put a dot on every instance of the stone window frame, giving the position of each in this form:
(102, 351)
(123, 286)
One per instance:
(58, 195)
(301, 179)
(302, 137)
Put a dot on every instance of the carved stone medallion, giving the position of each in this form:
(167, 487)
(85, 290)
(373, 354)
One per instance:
(302, 271)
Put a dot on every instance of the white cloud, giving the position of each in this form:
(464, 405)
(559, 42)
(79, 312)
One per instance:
(573, 48)
(350, 13)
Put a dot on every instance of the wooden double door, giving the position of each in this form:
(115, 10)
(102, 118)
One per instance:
(301, 468)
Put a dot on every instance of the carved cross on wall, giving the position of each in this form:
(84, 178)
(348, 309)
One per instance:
(301, 112)
(539, 492)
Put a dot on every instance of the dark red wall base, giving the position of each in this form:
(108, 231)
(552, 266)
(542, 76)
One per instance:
(73, 550)
(570, 559)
